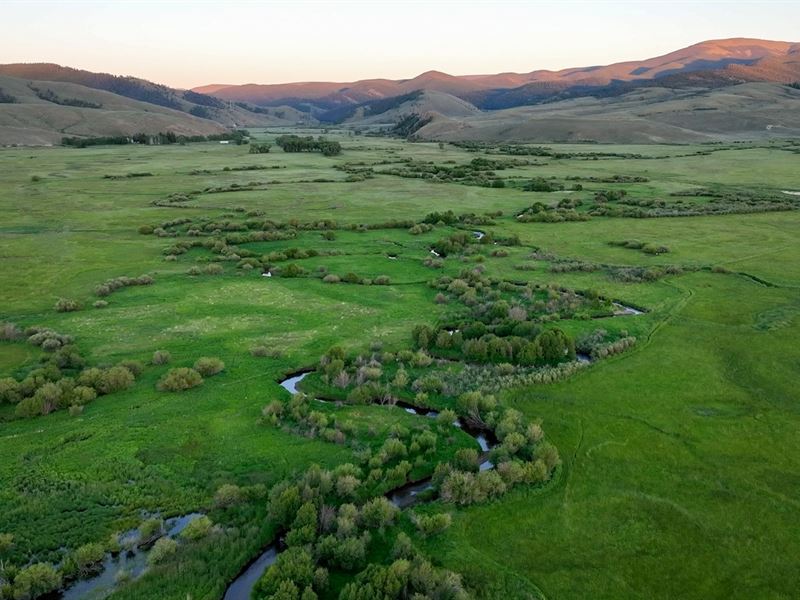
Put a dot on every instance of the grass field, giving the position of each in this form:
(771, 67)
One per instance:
(681, 456)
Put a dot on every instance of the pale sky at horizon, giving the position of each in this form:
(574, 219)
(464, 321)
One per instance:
(187, 44)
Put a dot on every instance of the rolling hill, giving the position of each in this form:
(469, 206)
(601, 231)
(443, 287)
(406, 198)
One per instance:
(43, 112)
(388, 111)
(126, 105)
(647, 115)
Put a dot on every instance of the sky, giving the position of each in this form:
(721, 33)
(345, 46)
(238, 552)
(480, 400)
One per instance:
(192, 43)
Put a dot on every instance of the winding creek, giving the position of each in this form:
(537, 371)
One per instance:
(402, 497)
(132, 562)
(129, 563)
(620, 310)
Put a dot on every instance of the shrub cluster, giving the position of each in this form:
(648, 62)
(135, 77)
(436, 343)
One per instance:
(108, 287)
(549, 347)
(643, 274)
(479, 171)
(259, 148)
(179, 379)
(520, 456)
(61, 381)
(298, 416)
(541, 213)
(491, 379)
(540, 184)
(647, 248)
(330, 525)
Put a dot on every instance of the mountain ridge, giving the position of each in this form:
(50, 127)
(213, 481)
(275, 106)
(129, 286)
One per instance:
(742, 57)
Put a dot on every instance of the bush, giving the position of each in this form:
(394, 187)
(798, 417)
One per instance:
(403, 546)
(178, 380)
(331, 278)
(162, 549)
(36, 580)
(134, 366)
(466, 459)
(227, 495)
(213, 269)
(10, 391)
(82, 394)
(433, 524)
(86, 558)
(292, 270)
(10, 332)
(655, 249)
(100, 304)
(115, 379)
(381, 280)
(150, 529)
(459, 488)
(67, 305)
(161, 357)
(197, 529)
(294, 567)
(378, 513)
(209, 366)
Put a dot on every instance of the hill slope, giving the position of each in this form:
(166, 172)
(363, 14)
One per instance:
(32, 120)
(751, 110)
(388, 111)
(197, 104)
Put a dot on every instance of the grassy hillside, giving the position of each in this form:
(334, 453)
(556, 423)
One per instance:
(33, 120)
(648, 115)
(37, 111)
(392, 110)
(200, 105)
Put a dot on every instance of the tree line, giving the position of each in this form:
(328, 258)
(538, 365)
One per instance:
(296, 143)
(240, 136)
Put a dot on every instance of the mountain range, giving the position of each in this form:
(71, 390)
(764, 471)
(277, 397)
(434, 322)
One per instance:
(746, 84)
(715, 62)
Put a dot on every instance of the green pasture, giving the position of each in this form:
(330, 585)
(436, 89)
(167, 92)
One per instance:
(681, 457)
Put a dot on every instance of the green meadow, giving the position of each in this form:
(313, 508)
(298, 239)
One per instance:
(680, 456)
